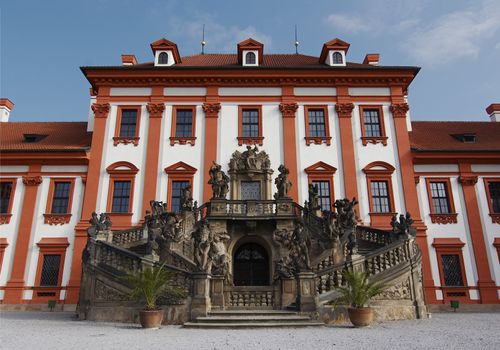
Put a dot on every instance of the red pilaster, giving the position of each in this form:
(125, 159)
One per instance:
(288, 109)
(211, 108)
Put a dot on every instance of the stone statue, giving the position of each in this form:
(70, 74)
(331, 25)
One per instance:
(219, 256)
(251, 159)
(346, 215)
(331, 226)
(301, 242)
(313, 203)
(98, 224)
(187, 198)
(219, 181)
(284, 268)
(282, 183)
(202, 239)
(403, 226)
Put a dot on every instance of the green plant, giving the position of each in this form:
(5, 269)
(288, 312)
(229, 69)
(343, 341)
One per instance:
(149, 284)
(358, 290)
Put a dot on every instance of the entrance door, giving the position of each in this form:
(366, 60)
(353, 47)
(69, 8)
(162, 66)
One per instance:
(250, 190)
(251, 266)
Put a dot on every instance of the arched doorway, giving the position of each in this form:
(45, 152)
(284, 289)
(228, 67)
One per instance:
(251, 266)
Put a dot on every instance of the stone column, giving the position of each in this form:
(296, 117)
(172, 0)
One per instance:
(211, 110)
(307, 297)
(200, 304)
(288, 109)
(288, 292)
(217, 292)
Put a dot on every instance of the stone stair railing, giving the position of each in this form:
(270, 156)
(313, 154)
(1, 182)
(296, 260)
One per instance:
(129, 237)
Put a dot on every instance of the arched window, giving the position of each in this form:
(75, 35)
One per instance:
(163, 58)
(337, 58)
(250, 58)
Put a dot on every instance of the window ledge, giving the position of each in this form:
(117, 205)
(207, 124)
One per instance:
(5, 219)
(125, 140)
(56, 219)
(495, 218)
(318, 140)
(250, 140)
(374, 140)
(443, 219)
(182, 140)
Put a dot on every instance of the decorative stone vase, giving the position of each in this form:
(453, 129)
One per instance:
(151, 318)
(361, 316)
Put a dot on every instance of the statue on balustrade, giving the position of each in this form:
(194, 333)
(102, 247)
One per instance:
(187, 198)
(313, 203)
(403, 226)
(219, 181)
(282, 183)
(251, 159)
(219, 256)
(98, 224)
(347, 222)
(202, 239)
(298, 244)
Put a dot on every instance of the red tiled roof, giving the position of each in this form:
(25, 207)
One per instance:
(438, 136)
(61, 136)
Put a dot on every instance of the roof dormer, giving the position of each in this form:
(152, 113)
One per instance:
(165, 52)
(250, 53)
(334, 52)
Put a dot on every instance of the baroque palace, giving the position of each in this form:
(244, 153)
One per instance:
(258, 178)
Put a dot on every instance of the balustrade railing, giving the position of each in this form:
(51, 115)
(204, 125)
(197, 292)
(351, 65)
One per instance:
(251, 208)
(248, 297)
(128, 237)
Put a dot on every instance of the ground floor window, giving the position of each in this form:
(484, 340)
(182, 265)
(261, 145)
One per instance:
(50, 270)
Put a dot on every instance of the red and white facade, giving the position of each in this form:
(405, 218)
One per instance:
(132, 146)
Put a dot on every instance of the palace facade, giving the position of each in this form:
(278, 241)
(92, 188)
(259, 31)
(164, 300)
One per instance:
(154, 128)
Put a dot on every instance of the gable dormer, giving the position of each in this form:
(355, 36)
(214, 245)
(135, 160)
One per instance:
(334, 52)
(250, 53)
(165, 53)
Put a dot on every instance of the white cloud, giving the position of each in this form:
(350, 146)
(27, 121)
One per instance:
(350, 23)
(455, 35)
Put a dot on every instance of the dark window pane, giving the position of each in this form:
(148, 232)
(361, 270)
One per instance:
(380, 197)
(451, 270)
(494, 189)
(250, 122)
(177, 187)
(128, 123)
(184, 123)
(60, 200)
(121, 197)
(316, 119)
(250, 58)
(163, 58)
(337, 58)
(371, 121)
(440, 200)
(324, 194)
(50, 270)
(5, 193)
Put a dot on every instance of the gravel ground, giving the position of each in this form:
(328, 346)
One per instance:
(45, 330)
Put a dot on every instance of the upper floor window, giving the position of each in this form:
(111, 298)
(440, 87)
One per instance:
(5, 196)
(121, 192)
(180, 175)
(494, 195)
(337, 58)
(183, 125)
(163, 58)
(176, 194)
(439, 195)
(127, 128)
(121, 196)
(323, 194)
(442, 209)
(250, 58)
(380, 197)
(317, 128)
(60, 200)
(380, 192)
(371, 119)
(250, 125)
(128, 122)
(372, 125)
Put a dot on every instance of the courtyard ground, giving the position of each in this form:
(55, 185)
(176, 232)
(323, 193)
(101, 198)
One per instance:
(60, 330)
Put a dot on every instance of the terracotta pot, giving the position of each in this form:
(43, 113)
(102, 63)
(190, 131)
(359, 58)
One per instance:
(361, 316)
(151, 318)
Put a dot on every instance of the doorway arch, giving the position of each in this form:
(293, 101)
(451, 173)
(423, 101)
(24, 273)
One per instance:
(251, 265)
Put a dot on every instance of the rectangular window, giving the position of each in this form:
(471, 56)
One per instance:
(380, 197)
(177, 187)
(494, 190)
(60, 200)
(121, 197)
(316, 119)
(324, 194)
(250, 123)
(452, 271)
(440, 197)
(5, 193)
(128, 123)
(371, 120)
(50, 270)
(184, 123)
(250, 190)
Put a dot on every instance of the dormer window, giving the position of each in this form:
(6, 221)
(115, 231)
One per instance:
(165, 53)
(31, 138)
(163, 58)
(334, 53)
(337, 58)
(250, 53)
(465, 138)
(250, 58)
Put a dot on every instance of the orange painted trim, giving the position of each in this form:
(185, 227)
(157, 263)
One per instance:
(495, 217)
(317, 140)
(117, 139)
(321, 171)
(363, 99)
(3, 245)
(373, 173)
(496, 244)
(211, 108)
(179, 171)
(244, 140)
(62, 218)
(447, 218)
(117, 174)
(374, 140)
(183, 140)
(5, 217)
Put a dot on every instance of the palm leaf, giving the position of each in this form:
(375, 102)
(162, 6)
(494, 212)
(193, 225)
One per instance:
(358, 290)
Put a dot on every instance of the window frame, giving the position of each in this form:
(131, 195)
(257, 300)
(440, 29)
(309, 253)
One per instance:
(317, 140)
(254, 140)
(61, 218)
(121, 171)
(441, 218)
(185, 139)
(372, 139)
(247, 53)
(495, 217)
(321, 171)
(380, 171)
(163, 54)
(179, 171)
(5, 217)
(117, 139)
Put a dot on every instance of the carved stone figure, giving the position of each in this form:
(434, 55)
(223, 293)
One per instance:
(313, 204)
(404, 225)
(221, 260)
(251, 159)
(284, 268)
(282, 183)
(301, 242)
(346, 215)
(187, 198)
(331, 226)
(98, 224)
(219, 181)
(202, 238)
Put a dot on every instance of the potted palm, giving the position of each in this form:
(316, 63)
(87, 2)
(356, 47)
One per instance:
(357, 293)
(149, 284)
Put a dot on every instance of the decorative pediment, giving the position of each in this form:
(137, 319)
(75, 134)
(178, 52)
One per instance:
(122, 168)
(378, 167)
(320, 168)
(180, 168)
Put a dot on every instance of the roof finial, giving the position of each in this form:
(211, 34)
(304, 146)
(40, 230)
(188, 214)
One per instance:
(203, 42)
(296, 41)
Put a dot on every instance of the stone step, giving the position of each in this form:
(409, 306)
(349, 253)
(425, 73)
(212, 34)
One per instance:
(248, 312)
(283, 324)
(252, 318)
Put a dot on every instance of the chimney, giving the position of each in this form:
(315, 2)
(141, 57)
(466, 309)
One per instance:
(6, 107)
(129, 60)
(372, 59)
(494, 111)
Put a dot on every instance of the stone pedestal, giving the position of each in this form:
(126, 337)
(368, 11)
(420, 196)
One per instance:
(200, 304)
(217, 292)
(218, 206)
(284, 206)
(307, 299)
(288, 292)
(355, 263)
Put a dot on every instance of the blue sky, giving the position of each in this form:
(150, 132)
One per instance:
(457, 44)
